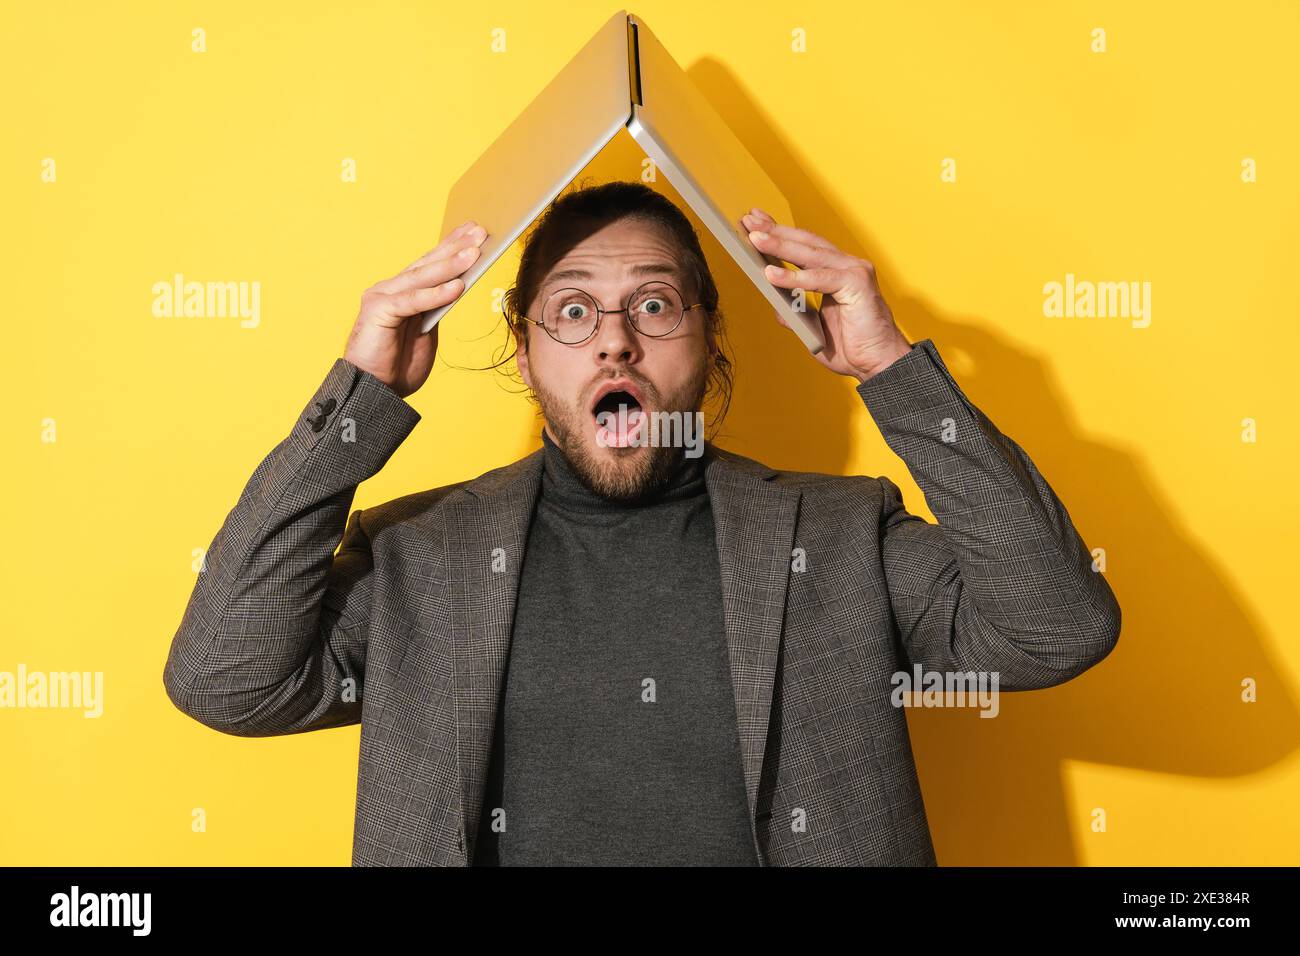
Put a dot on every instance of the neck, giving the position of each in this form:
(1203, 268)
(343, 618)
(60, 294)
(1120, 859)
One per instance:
(562, 484)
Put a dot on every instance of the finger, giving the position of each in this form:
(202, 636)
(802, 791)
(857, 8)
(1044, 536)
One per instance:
(754, 221)
(410, 302)
(800, 253)
(448, 244)
(434, 272)
(416, 344)
(800, 235)
(825, 280)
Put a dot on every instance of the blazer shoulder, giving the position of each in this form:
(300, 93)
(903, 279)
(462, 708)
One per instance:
(806, 480)
(407, 508)
(424, 506)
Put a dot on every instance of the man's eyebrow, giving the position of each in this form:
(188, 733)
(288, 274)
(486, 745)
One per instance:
(642, 269)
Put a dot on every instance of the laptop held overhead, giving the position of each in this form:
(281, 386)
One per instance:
(623, 78)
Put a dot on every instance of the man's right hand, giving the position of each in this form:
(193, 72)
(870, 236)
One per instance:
(386, 340)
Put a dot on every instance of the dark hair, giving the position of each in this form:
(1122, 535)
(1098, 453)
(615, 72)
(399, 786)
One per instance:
(585, 209)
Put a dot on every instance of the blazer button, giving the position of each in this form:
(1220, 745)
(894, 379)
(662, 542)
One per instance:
(319, 421)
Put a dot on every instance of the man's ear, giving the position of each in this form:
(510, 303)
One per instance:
(521, 356)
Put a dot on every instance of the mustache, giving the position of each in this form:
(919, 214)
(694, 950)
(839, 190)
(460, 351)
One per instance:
(648, 390)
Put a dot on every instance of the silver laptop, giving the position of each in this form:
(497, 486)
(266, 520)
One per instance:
(623, 78)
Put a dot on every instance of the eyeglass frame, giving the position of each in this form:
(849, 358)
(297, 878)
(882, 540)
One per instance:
(601, 313)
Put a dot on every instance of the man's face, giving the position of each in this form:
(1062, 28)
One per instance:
(662, 374)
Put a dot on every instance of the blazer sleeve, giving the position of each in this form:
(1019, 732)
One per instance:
(273, 640)
(1004, 582)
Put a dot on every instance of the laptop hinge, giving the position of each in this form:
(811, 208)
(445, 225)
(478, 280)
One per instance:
(633, 64)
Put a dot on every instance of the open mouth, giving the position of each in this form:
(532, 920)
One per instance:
(619, 419)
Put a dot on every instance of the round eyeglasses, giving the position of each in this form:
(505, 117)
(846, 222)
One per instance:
(571, 316)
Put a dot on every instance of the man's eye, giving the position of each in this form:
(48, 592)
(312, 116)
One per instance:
(574, 311)
(653, 306)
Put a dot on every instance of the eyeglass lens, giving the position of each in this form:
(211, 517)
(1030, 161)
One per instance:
(570, 315)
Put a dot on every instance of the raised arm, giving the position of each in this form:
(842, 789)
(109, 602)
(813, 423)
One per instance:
(273, 640)
(1004, 582)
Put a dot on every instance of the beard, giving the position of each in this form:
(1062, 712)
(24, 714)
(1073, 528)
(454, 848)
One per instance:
(622, 475)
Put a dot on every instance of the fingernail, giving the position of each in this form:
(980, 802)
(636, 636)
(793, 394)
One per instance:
(467, 252)
(758, 236)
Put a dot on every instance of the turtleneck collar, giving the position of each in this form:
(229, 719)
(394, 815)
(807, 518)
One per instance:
(561, 484)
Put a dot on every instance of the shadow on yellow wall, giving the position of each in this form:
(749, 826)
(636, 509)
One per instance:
(1166, 701)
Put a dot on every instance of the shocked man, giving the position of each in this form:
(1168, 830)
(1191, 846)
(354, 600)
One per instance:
(623, 649)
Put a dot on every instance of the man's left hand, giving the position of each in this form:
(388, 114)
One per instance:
(861, 337)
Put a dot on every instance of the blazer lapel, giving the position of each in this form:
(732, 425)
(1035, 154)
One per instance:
(486, 531)
(754, 520)
(485, 536)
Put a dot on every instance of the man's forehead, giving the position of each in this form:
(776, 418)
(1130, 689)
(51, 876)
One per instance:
(638, 269)
(628, 248)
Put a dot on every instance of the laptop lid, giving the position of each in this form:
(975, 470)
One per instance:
(541, 152)
(622, 77)
(711, 169)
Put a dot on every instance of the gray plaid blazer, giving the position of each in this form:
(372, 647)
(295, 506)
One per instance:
(405, 629)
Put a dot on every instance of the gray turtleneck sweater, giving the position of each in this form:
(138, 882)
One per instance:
(616, 740)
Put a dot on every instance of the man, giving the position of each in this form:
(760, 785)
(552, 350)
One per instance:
(615, 651)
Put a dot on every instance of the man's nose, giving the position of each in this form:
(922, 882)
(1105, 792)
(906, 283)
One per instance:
(616, 341)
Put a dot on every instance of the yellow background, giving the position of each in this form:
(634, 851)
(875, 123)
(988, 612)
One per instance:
(225, 165)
